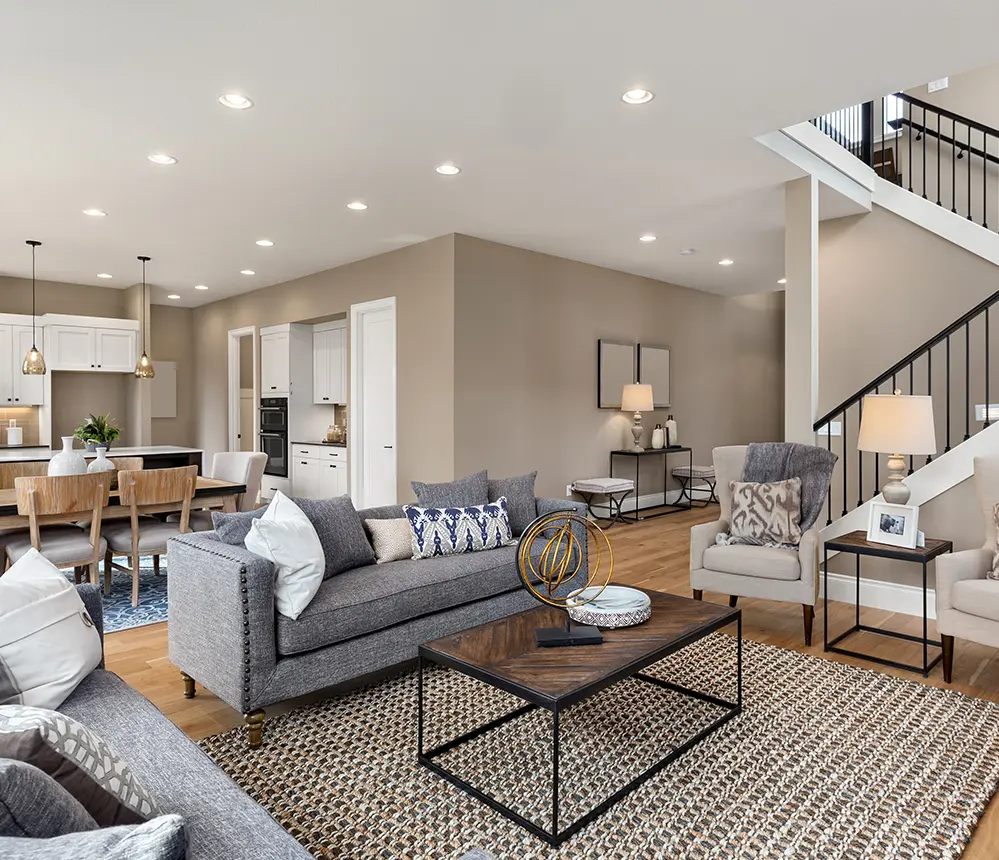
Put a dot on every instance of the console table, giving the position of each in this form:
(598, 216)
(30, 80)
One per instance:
(664, 453)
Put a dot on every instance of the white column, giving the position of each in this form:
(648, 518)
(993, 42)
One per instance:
(801, 309)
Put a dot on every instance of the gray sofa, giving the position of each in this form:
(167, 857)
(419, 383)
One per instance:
(222, 821)
(224, 632)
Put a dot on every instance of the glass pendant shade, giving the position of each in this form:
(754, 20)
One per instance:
(144, 367)
(34, 363)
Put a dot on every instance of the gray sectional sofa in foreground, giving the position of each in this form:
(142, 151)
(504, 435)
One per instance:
(224, 632)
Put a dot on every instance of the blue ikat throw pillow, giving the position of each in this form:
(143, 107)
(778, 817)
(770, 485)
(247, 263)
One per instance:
(449, 531)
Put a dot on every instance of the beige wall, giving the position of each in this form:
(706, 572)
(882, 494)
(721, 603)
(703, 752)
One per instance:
(526, 330)
(170, 338)
(58, 298)
(422, 279)
(246, 362)
(75, 395)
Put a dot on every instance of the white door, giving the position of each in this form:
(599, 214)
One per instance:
(336, 353)
(8, 365)
(275, 363)
(71, 348)
(245, 429)
(115, 349)
(372, 415)
(25, 390)
(321, 367)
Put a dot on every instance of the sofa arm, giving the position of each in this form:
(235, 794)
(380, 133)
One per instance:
(957, 566)
(93, 602)
(221, 614)
(808, 559)
(703, 536)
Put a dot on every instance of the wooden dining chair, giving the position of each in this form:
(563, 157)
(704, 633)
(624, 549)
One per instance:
(8, 472)
(53, 504)
(146, 492)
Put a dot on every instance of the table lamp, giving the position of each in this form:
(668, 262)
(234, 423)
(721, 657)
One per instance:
(637, 398)
(902, 424)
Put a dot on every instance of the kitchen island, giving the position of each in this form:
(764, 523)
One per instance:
(153, 456)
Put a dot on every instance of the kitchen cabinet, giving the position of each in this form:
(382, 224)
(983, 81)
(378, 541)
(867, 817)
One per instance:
(275, 363)
(114, 350)
(329, 363)
(271, 484)
(91, 348)
(318, 472)
(16, 389)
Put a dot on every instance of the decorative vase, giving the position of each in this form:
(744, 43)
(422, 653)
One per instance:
(68, 461)
(101, 463)
(92, 447)
(658, 437)
(671, 437)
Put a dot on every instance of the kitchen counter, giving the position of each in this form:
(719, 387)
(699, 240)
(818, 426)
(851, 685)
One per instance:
(173, 453)
(322, 444)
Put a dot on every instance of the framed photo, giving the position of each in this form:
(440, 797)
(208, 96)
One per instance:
(895, 525)
(615, 369)
(654, 370)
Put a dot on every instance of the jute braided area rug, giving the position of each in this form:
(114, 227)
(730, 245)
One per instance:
(827, 761)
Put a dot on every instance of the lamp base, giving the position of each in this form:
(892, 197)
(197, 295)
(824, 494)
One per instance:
(637, 430)
(895, 492)
(558, 637)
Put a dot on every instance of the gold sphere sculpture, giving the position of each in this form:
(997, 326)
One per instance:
(561, 558)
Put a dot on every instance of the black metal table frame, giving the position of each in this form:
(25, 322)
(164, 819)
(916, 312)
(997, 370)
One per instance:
(556, 837)
(613, 505)
(649, 452)
(857, 627)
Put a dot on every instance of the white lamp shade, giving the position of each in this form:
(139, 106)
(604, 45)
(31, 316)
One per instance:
(898, 424)
(637, 398)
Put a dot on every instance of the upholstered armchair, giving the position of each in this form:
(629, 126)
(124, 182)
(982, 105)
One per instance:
(967, 601)
(741, 570)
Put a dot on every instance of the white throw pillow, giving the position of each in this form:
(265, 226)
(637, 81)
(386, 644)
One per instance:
(48, 642)
(286, 538)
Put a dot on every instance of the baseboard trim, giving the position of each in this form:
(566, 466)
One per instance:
(649, 500)
(876, 594)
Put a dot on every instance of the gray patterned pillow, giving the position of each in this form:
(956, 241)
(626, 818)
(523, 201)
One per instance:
(162, 838)
(80, 761)
(463, 493)
(35, 806)
(766, 513)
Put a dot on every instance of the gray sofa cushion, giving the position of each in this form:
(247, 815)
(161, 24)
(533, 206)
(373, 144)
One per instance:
(520, 501)
(159, 839)
(233, 528)
(386, 512)
(340, 531)
(221, 821)
(35, 806)
(463, 493)
(374, 597)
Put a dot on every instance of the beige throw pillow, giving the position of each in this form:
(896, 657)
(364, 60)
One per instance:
(766, 513)
(391, 539)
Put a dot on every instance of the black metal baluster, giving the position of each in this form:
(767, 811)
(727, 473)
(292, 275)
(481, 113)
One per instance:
(909, 135)
(911, 382)
(947, 447)
(939, 147)
(987, 402)
(929, 384)
(985, 177)
(860, 457)
(924, 153)
(953, 166)
(969, 173)
(967, 381)
(845, 470)
(877, 466)
(829, 491)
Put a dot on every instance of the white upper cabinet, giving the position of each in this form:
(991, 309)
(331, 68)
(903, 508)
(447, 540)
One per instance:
(99, 348)
(71, 347)
(329, 363)
(25, 390)
(115, 350)
(275, 363)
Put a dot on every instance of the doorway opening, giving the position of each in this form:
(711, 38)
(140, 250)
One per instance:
(244, 389)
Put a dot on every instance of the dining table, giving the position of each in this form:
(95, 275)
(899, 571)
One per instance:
(209, 493)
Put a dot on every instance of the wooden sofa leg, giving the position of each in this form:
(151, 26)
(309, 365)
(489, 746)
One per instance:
(189, 687)
(808, 612)
(254, 727)
(733, 599)
(947, 645)
(698, 594)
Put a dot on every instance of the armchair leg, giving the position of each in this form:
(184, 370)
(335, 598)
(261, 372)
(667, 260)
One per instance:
(156, 565)
(254, 727)
(947, 645)
(189, 687)
(698, 594)
(733, 599)
(808, 612)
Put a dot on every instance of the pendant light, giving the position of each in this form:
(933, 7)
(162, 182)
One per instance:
(144, 367)
(34, 362)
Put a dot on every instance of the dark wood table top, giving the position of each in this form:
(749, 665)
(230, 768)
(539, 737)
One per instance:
(857, 542)
(504, 654)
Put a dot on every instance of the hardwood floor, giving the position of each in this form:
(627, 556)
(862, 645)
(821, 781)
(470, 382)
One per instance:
(654, 554)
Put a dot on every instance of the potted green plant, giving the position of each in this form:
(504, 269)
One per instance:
(97, 432)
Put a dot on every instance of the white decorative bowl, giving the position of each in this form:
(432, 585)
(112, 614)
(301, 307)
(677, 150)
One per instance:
(615, 606)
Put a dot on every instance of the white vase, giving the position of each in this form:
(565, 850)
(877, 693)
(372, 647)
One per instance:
(101, 463)
(658, 438)
(68, 461)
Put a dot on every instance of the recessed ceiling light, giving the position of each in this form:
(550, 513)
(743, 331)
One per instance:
(264, 243)
(161, 158)
(95, 213)
(687, 252)
(200, 287)
(648, 237)
(638, 97)
(357, 206)
(247, 272)
(173, 296)
(104, 275)
(235, 101)
(448, 169)
(782, 281)
(726, 262)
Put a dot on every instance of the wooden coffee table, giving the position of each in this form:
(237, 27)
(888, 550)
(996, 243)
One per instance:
(504, 655)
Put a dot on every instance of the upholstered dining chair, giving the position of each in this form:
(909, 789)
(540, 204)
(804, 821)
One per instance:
(8, 472)
(967, 600)
(53, 505)
(237, 467)
(147, 492)
(740, 570)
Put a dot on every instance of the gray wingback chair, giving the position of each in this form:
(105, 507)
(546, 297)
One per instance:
(967, 600)
(740, 570)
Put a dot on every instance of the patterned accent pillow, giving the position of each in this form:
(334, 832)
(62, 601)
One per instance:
(391, 539)
(766, 513)
(994, 573)
(449, 531)
(76, 758)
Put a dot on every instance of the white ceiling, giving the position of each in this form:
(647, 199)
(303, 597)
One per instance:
(360, 99)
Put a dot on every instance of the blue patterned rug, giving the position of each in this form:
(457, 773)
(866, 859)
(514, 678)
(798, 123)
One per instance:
(119, 614)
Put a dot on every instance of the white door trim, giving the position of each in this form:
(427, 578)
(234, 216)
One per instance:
(355, 395)
(233, 393)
